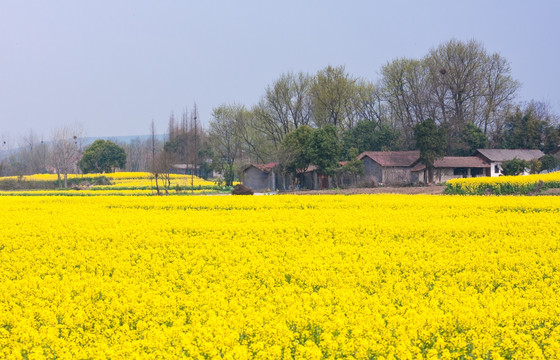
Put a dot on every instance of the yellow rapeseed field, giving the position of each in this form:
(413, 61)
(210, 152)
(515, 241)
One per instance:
(521, 184)
(120, 183)
(280, 277)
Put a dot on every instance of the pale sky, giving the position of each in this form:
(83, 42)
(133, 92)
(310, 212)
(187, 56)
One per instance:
(113, 66)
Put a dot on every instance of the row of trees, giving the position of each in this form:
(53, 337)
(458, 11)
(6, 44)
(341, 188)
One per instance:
(468, 93)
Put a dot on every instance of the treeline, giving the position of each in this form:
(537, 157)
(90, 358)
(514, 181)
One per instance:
(469, 93)
(332, 115)
(62, 152)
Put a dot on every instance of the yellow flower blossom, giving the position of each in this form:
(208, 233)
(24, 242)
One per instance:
(279, 277)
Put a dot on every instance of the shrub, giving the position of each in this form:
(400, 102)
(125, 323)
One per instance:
(514, 167)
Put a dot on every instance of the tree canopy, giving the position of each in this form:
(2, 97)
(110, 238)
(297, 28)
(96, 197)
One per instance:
(431, 142)
(102, 157)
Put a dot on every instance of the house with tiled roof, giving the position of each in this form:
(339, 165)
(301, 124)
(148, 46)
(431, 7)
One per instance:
(269, 177)
(389, 167)
(451, 167)
(260, 177)
(495, 157)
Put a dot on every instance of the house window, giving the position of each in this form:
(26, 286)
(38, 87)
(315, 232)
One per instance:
(477, 172)
(497, 169)
(460, 172)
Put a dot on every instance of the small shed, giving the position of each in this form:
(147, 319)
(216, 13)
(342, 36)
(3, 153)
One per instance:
(389, 167)
(260, 177)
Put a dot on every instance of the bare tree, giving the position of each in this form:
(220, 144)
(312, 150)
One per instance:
(333, 92)
(66, 143)
(286, 105)
(457, 83)
(224, 139)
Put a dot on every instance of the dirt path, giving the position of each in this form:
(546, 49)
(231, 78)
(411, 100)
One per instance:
(428, 190)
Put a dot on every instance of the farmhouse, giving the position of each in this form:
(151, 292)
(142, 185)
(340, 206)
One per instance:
(260, 177)
(265, 177)
(451, 167)
(495, 157)
(389, 167)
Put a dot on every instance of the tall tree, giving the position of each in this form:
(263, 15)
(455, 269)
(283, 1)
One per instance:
(66, 143)
(470, 139)
(532, 126)
(295, 154)
(407, 90)
(286, 105)
(324, 149)
(457, 83)
(334, 94)
(102, 157)
(369, 136)
(470, 86)
(431, 141)
(224, 140)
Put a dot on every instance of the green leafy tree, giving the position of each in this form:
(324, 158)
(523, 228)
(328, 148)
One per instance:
(324, 149)
(514, 167)
(369, 136)
(471, 138)
(524, 130)
(353, 167)
(551, 138)
(549, 162)
(295, 154)
(102, 157)
(431, 142)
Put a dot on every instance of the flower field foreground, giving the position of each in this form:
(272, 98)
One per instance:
(280, 277)
(503, 185)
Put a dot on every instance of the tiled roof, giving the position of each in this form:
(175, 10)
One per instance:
(461, 161)
(510, 154)
(455, 162)
(264, 167)
(392, 158)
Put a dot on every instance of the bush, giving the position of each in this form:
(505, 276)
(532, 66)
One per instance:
(549, 162)
(242, 190)
(514, 167)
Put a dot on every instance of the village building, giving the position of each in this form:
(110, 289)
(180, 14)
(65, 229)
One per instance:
(495, 157)
(389, 167)
(267, 177)
(451, 167)
(260, 177)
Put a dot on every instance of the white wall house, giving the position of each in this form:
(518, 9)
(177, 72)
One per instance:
(495, 157)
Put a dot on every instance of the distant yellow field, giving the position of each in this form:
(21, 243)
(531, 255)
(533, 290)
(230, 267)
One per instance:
(521, 184)
(121, 183)
(272, 277)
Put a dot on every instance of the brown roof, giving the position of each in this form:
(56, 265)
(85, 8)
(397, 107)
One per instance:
(392, 158)
(455, 162)
(264, 167)
(510, 154)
